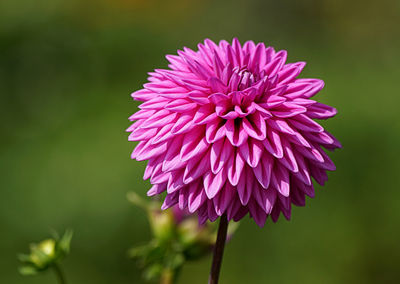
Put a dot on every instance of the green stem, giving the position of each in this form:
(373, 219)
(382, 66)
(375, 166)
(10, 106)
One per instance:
(218, 250)
(59, 273)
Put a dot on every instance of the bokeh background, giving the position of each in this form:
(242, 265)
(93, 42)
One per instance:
(67, 69)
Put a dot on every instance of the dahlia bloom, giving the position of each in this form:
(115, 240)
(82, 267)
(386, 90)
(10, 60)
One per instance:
(229, 129)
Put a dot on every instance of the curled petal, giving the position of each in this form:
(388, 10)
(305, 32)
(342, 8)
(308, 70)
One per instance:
(197, 196)
(264, 169)
(321, 111)
(273, 143)
(213, 183)
(255, 126)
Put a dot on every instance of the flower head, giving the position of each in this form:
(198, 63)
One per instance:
(229, 129)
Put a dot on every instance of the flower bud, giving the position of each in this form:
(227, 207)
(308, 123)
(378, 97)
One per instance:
(45, 254)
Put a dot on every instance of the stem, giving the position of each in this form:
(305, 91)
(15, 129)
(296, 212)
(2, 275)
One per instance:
(218, 250)
(59, 273)
(167, 276)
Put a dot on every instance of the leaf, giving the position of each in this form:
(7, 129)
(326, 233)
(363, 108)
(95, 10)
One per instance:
(27, 270)
(24, 258)
(175, 261)
(64, 243)
(153, 272)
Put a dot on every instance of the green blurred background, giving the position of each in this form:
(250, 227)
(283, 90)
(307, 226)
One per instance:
(67, 69)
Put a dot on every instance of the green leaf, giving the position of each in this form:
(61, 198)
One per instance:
(176, 261)
(139, 251)
(27, 270)
(135, 199)
(65, 242)
(24, 258)
(153, 272)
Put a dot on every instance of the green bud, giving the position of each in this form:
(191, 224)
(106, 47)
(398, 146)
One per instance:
(162, 224)
(45, 254)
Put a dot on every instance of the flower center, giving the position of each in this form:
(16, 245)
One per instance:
(247, 78)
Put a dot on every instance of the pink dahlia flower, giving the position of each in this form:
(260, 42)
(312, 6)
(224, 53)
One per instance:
(229, 129)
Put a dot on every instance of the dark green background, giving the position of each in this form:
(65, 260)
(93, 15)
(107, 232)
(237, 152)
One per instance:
(67, 69)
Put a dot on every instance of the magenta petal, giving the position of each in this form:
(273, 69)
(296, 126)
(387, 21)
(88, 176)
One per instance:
(272, 68)
(288, 159)
(259, 57)
(180, 105)
(233, 208)
(212, 214)
(203, 113)
(216, 150)
(213, 183)
(218, 98)
(223, 199)
(150, 151)
(214, 131)
(273, 144)
(152, 166)
(327, 164)
(163, 134)
(197, 196)
(189, 143)
(273, 101)
(318, 174)
(276, 211)
(297, 197)
(142, 114)
(199, 97)
(196, 168)
(183, 198)
(257, 213)
(263, 170)
(155, 103)
(216, 85)
(236, 135)
(157, 189)
(288, 110)
(311, 153)
(270, 198)
(175, 181)
(304, 123)
(183, 124)
(290, 72)
(142, 134)
(280, 180)
(156, 121)
(251, 152)
(281, 126)
(170, 200)
(321, 111)
(304, 88)
(303, 174)
(307, 189)
(245, 185)
(235, 168)
(255, 126)
(190, 152)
